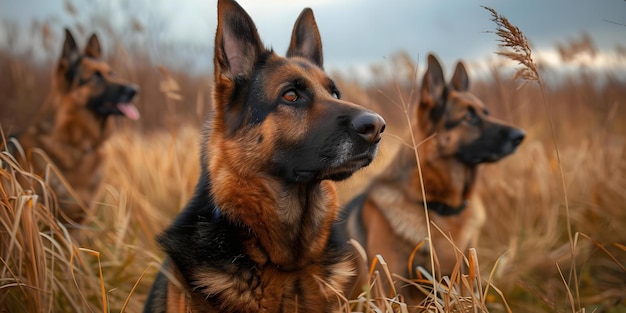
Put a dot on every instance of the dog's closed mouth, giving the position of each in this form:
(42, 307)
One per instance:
(129, 110)
(305, 175)
(347, 168)
(494, 157)
(340, 172)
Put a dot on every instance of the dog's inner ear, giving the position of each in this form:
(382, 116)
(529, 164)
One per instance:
(460, 80)
(305, 39)
(237, 43)
(93, 49)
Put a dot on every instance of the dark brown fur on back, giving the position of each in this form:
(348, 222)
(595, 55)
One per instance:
(255, 235)
(389, 217)
(72, 126)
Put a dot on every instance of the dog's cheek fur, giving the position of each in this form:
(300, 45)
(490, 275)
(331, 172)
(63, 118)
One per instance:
(451, 141)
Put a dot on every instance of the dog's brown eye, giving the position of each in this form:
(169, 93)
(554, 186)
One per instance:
(471, 117)
(336, 94)
(290, 96)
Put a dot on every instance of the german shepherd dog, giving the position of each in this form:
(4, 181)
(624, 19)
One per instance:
(255, 235)
(388, 218)
(73, 124)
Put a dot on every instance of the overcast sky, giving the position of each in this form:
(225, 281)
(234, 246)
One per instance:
(361, 32)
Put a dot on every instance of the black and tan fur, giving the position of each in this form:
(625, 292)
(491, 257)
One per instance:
(388, 218)
(255, 235)
(72, 126)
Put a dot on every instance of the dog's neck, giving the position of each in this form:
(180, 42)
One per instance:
(448, 184)
(274, 212)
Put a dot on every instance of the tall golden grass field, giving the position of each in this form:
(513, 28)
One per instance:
(554, 240)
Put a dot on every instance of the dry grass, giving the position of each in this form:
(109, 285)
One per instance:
(519, 50)
(527, 254)
(48, 268)
(43, 268)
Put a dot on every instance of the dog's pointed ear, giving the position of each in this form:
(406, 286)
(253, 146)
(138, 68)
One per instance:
(237, 42)
(460, 80)
(69, 55)
(433, 84)
(70, 50)
(305, 39)
(432, 102)
(93, 49)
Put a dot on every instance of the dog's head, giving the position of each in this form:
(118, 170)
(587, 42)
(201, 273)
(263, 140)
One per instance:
(464, 128)
(283, 116)
(91, 82)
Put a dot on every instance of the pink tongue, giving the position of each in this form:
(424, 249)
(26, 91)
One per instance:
(129, 110)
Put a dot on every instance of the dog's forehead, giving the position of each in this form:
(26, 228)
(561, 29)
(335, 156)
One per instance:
(280, 70)
(95, 65)
(462, 100)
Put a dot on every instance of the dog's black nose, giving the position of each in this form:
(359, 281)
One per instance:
(516, 136)
(369, 126)
(127, 93)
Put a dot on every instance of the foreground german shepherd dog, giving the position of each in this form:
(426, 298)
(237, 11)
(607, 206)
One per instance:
(389, 217)
(73, 124)
(255, 235)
